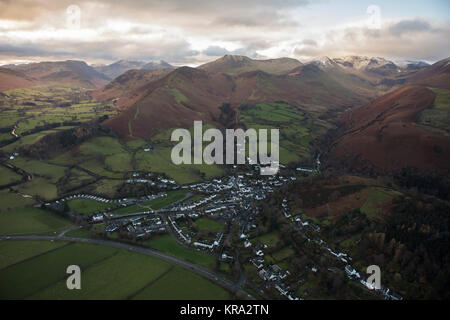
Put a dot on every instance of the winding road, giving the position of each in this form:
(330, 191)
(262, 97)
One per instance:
(221, 281)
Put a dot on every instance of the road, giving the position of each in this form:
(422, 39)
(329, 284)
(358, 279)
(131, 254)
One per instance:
(221, 281)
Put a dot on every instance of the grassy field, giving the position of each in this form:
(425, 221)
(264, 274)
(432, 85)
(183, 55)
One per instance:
(208, 224)
(283, 254)
(14, 252)
(31, 139)
(31, 107)
(86, 206)
(106, 273)
(104, 156)
(10, 201)
(42, 169)
(30, 220)
(376, 197)
(8, 176)
(42, 187)
(269, 239)
(442, 100)
(166, 244)
(172, 196)
(129, 209)
(297, 128)
(104, 187)
(155, 204)
(178, 284)
(438, 117)
(159, 160)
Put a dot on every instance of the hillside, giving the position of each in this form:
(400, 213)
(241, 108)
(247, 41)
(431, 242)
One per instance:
(184, 95)
(383, 136)
(436, 75)
(187, 94)
(157, 65)
(231, 64)
(115, 69)
(70, 72)
(126, 88)
(12, 79)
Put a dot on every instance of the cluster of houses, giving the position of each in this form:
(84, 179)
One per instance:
(142, 226)
(196, 204)
(343, 257)
(212, 245)
(230, 199)
(271, 274)
(121, 202)
(153, 180)
(184, 237)
(13, 156)
(285, 206)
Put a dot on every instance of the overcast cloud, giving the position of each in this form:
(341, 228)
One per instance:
(196, 31)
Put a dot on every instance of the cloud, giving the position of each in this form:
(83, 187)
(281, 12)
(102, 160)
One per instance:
(309, 42)
(399, 39)
(409, 26)
(196, 31)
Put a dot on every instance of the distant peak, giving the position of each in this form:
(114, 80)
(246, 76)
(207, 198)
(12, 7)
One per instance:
(235, 57)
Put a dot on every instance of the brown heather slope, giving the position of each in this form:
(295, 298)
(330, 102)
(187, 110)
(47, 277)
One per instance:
(63, 73)
(187, 94)
(382, 136)
(436, 75)
(176, 100)
(233, 65)
(127, 88)
(12, 79)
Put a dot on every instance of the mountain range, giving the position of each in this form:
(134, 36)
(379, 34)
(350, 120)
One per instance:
(117, 68)
(70, 72)
(388, 109)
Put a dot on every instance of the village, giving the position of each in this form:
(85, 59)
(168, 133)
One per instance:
(230, 201)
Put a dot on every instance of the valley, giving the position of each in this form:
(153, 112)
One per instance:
(86, 171)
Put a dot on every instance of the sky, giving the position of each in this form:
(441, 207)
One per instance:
(192, 32)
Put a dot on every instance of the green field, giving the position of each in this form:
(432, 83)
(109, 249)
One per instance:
(283, 254)
(269, 239)
(42, 169)
(8, 176)
(10, 201)
(208, 224)
(437, 118)
(106, 273)
(296, 127)
(129, 209)
(42, 187)
(102, 156)
(86, 206)
(159, 160)
(166, 244)
(104, 187)
(178, 284)
(31, 139)
(30, 107)
(172, 196)
(376, 197)
(30, 220)
(442, 100)
(155, 204)
(14, 252)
